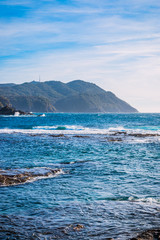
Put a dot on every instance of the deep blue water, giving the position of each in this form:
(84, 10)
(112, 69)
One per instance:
(109, 180)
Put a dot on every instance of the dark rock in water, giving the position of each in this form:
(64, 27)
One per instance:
(148, 235)
(139, 135)
(18, 176)
(72, 227)
(80, 136)
(57, 135)
(144, 135)
(41, 115)
(114, 139)
(78, 227)
(7, 110)
(119, 133)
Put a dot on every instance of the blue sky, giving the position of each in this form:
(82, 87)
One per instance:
(115, 44)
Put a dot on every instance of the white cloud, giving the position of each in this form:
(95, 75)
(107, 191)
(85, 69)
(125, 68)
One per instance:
(117, 52)
(15, 2)
(69, 10)
(135, 80)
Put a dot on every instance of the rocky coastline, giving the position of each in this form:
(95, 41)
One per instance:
(8, 110)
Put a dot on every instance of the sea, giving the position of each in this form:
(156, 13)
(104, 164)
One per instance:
(106, 184)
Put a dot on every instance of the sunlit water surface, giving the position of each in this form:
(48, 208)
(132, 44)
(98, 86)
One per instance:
(108, 185)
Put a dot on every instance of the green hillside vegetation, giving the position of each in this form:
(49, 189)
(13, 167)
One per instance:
(51, 96)
(3, 101)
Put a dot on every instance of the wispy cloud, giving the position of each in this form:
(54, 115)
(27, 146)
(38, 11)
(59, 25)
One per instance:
(116, 45)
(16, 2)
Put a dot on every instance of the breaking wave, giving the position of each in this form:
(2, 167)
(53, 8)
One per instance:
(144, 200)
(116, 134)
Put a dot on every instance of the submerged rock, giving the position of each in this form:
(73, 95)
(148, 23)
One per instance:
(18, 176)
(144, 135)
(139, 135)
(78, 227)
(148, 235)
(72, 227)
(57, 135)
(114, 139)
(81, 136)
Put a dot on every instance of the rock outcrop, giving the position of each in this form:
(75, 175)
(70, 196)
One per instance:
(8, 110)
(18, 176)
(148, 235)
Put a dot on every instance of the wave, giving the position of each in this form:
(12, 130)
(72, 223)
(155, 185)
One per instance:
(148, 200)
(12, 177)
(117, 134)
(145, 200)
(18, 116)
(61, 128)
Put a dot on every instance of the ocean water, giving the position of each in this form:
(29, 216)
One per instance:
(107, 181)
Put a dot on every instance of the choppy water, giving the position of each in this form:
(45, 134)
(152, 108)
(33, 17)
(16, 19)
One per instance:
(108, 181)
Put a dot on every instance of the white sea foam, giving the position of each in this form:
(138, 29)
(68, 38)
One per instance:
(148, 200)
(56, 130)
(61, 127)
(16, 114)
(115, 129)
(59, 172)
(23, 116)
(130, 135)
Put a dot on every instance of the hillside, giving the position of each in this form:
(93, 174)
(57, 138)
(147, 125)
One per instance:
(51, 96)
